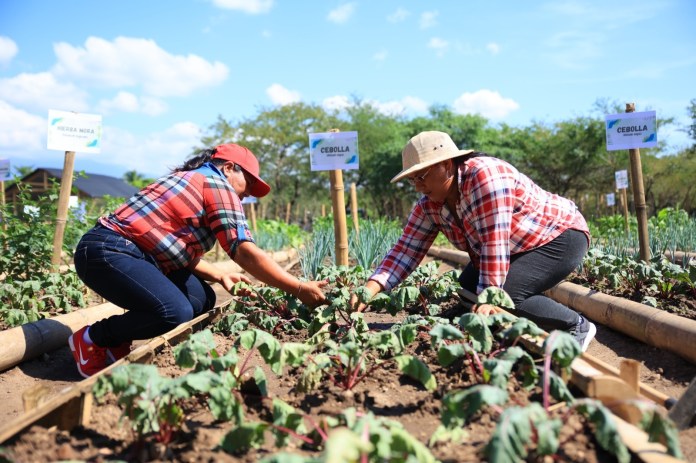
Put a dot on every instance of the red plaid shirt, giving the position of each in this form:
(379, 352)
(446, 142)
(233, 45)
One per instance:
(177, 218)
(503, 212)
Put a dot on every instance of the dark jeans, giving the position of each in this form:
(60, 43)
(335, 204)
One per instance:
(121, 273)
(533, 272)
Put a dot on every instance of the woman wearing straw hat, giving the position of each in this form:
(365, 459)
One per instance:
(147, 256)
(519, 237)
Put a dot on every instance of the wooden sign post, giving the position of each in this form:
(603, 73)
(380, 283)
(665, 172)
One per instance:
(632, 131)
(639, 197)
(63, 205)
(334, 151)
(69, 132)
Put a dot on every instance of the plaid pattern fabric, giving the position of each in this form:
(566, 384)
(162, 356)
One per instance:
(177, 218)
(502, 211)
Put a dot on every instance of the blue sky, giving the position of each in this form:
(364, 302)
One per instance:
(161, 72)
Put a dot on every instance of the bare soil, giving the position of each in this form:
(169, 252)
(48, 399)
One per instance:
(386, 393)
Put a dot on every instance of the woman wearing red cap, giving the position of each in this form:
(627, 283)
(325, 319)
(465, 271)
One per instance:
(147, 256)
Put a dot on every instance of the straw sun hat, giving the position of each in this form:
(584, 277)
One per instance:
(427, 149)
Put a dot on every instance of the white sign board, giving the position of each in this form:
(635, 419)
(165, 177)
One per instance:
(4, 169)
(68, 131)
(250, 200)
(621, 179)
(610, 199)
(631, 130)
(333, 151)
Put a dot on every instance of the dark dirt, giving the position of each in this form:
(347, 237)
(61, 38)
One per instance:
(107, 437)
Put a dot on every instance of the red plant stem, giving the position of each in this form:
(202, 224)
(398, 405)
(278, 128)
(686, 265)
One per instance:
(365, 438)
(294, 434)
(318, 428)
(246, 360)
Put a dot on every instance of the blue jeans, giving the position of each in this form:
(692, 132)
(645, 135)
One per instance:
(116, 269)
(533, 272)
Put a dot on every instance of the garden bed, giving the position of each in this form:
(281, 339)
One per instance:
(387, 392)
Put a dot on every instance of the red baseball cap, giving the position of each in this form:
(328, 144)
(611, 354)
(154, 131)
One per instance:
(243, 157)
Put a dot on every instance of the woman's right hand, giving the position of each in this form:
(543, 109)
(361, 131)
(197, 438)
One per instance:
(310, 292)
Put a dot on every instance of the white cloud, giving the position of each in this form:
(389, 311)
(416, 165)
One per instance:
(42, 92)
(341, 14)
(408, 104)
(487, 103)
(130, 103)
(246, 6)
(380, 55)
(133, 62)
(155, 154)
(338, 102)
(428, 19)
(280, 95)
(493, 48)
(20, 131)
(8, 50)
(399, 15)
(439, 45)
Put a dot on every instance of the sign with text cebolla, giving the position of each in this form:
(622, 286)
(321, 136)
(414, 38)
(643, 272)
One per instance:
(333, 151)
(69, 131)
(631, 130)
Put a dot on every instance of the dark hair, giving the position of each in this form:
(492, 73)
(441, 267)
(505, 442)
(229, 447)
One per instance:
(459, 160)
(199, 159)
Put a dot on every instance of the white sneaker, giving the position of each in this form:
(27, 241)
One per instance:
(584, 332)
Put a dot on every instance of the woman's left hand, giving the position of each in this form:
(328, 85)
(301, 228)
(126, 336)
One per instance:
(486, 309)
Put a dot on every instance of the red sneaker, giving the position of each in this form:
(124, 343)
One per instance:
(114, 354)
(90, 358)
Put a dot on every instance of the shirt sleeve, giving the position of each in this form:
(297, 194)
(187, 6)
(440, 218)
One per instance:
(417, 237)
(493, 197)
(226, 215)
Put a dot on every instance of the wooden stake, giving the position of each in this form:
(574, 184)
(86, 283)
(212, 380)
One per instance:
(354, 208)
(639, 197)
(63, 203)
(339, 216)
(288, 210)
(629, 371)
(253, 217)
(624, 204)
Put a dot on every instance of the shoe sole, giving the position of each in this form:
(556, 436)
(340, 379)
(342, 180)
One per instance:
(590, 336)
(72, 348)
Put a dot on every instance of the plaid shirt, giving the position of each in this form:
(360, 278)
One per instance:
(502, 212)
(177, 218)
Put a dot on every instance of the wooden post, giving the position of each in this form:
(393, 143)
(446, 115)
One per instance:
(323, 210)
(339, 216)
(288, 210)
(63, 203)
(338, 204)
(624, 205)
(253, 217)
(354, 208)
(639, 197)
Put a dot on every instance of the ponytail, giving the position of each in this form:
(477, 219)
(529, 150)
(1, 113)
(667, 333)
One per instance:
(198, 160)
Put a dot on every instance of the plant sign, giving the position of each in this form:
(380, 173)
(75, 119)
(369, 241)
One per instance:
(631, 130)
(621, 177)
(333, 151)
(69, 131)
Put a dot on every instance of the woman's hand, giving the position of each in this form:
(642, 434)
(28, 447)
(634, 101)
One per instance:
(228, 280)
(310, 293)
(486, 309)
